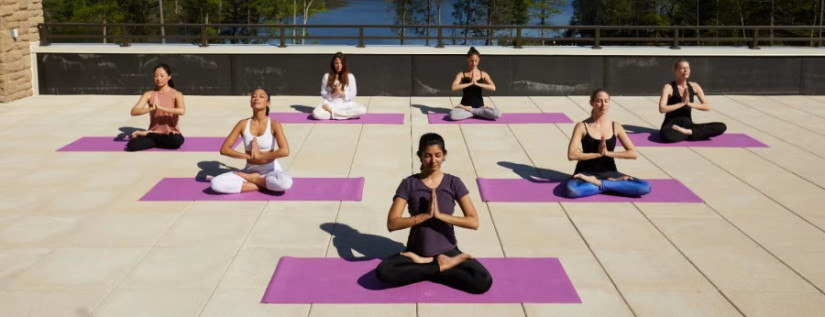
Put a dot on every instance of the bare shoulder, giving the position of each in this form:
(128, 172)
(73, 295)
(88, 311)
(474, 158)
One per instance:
(695, 85)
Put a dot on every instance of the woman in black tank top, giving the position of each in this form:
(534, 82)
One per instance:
(676, 103)
(592, 145)
(472, 82)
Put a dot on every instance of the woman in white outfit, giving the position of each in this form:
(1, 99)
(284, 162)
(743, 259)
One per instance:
(264, 143)
(338, 90)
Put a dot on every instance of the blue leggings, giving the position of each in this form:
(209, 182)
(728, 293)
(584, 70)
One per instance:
(576, 188)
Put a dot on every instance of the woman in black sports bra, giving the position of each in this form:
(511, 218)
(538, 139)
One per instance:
(676, 103)
(590, 145)
(472, 82)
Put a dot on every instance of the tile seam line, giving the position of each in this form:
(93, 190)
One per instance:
(232, 260)
(716, 287)
(142, 257)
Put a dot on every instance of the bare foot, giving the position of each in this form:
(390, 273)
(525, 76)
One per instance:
(416, 258)
(623, 178)
(446, 262)
(682, 130)
(326, 107)
(588, 178)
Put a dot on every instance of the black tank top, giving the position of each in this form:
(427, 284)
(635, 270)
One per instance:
(599, 167)
(472, 94)
(683, 112)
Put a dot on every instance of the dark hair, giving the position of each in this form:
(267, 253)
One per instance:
(267, 96)
(427, 140)
(343, 76)
(679, 61)
(593, 96)
(168, 72)
(596, 92)
(473, 51)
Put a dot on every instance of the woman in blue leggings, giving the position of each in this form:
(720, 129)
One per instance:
(592, 144)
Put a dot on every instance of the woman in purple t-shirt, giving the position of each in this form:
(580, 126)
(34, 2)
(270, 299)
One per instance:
(431, 252)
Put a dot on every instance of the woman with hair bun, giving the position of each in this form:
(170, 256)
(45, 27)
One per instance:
(472, 82)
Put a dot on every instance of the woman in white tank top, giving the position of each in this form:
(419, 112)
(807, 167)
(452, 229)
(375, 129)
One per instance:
(264, 143)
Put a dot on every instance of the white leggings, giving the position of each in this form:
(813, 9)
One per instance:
(276, 179)
(340, 111)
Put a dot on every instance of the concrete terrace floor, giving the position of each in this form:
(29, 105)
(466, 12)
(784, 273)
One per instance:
(75, 240)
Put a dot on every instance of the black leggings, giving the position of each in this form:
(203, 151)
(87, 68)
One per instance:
(469, 276)
(701, 131)
(165, 141)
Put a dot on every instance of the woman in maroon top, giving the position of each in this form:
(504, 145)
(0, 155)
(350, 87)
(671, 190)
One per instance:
(164, 104)
(432, 253)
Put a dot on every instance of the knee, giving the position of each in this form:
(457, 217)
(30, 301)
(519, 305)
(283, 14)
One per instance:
(321, 114)
(227, 184)
(384, 273)
(458, 114)
(643, 187)
(481, 285)
(722, 128)
(495, 113)
(279, 182)
(571, 189)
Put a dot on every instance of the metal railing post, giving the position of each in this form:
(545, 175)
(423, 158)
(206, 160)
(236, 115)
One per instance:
(44, 36)
(283, 37)
(755, 44)
(440, 38)
(125, 33)
(518, 37)
(361, 36)
(597, 40)
(204, 42)
(675, 45)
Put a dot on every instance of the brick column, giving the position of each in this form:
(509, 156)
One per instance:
(15, 62)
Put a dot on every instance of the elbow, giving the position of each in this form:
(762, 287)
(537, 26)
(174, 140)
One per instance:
(391, 226)
(632, 155)
(474, 224)
(492, 88)
(224, 151)
(571, 157)
(661, 110)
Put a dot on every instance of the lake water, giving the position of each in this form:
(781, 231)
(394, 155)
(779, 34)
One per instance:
(377, 12)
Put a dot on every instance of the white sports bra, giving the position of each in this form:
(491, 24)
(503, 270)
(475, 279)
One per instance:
(266, 142)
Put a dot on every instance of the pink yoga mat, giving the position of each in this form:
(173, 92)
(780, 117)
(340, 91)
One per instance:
(522, 190)
(342, 281)
(724, 140)
(306, 189)
(110, 144)
(369, 118)
(506, 118)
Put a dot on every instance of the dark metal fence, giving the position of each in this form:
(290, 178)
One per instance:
(517, 36)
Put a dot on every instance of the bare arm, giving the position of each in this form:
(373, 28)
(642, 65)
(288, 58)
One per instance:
(574, 151)
(629, 150)
(490, 85)
(470, 218)
(703, 104)
(226, 147)
(283, 145)
(395, 220)
(667, 91)
(179, 108)
(142, 106)
(457, 85)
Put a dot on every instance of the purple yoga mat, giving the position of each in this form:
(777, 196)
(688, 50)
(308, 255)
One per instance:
(506, 118)
(369, 118)
(342, 281)
(110, 144)
(306, 189)
(522, 190)
(724, 140)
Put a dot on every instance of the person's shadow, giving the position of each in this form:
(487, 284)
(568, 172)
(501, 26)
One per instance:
(427, 109)
(654, 133)
(302, 108)
(539, 175)
(535, 174)
(346, 239)
(126, 133)
(212, 168)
